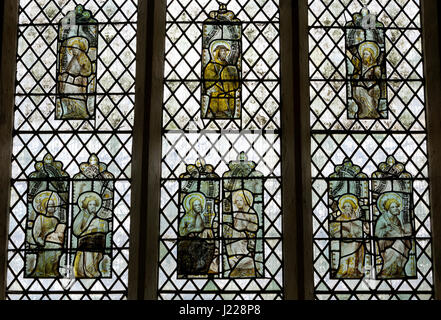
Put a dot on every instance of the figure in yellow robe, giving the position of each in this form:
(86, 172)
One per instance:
(221, 84)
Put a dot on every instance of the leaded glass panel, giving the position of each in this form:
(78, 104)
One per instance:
(198, 243)
(348, 221)
(221, 65)
(46, 225)
(242, 220)
(92, 215)
(366, 67)
(76, 65)
(94, 153)
(241, 148)
(393, 217)
(383, 259)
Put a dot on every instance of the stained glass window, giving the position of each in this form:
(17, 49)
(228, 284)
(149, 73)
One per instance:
(72, 148)
(220, 216)
(370, 196)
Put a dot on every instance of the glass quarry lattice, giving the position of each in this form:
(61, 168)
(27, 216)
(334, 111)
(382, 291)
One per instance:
(94, 151)
(220, 218)
(365, 167)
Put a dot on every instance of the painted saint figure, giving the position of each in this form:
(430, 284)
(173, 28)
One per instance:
(196, 250)
(192, 223)
(349, 227)
(393, 215)
(48, 234)
(91, 230)
(243, 219)
(221, 82)
(348, 224)
(367, 91)
(241, 234)
(46, 221)
(389, 229)
(92, 216)
(221, 65)
(76, 65)
(366, 67)
(73, 80)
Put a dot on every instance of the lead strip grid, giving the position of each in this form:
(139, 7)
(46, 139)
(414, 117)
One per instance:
(187, 137)
(367, 143)
(364, 288)
(272, 281)
(86, 288)
(72, 142)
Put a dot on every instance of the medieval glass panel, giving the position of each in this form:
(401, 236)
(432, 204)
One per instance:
(348, 221)
(370, 182)
(366, 67)
(93, 193)
(76, 65)
(221, 170)
(393, 217)
(243, 219)
(46, 225)
(221, 65)
(81, 198)
(198, 244)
